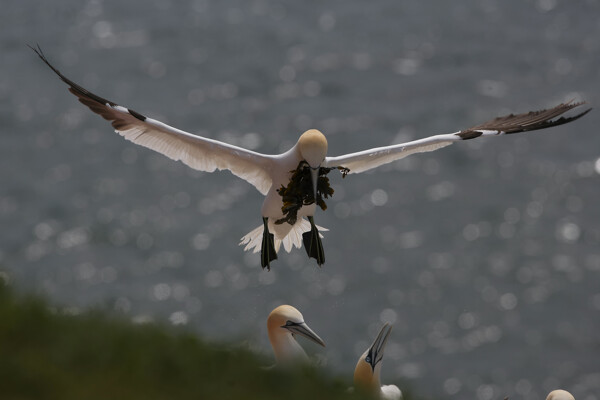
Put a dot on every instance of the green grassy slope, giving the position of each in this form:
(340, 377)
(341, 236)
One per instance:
(49, 355)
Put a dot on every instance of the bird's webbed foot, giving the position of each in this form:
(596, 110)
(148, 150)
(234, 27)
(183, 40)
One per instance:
(313, 244)
(267, 251)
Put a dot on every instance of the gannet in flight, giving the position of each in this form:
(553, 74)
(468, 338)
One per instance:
(368, 369)
(560, 394)
(283, 324)
(293, 182)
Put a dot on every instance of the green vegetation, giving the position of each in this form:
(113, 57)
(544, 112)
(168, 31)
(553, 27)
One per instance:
(50, 355)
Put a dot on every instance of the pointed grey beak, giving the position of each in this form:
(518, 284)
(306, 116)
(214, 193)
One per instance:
(314, 175)
(303, 330)
(375, 352)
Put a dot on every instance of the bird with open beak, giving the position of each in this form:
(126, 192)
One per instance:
(368, 369)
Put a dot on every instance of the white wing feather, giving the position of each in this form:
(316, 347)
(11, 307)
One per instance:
(369, 159)
(207, 154)
(509, 124)
(197, 152)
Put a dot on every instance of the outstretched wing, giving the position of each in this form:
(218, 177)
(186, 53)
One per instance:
(531, 121)
(200, 153)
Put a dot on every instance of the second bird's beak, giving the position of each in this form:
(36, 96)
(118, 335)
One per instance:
(303, 330)
(375, 352)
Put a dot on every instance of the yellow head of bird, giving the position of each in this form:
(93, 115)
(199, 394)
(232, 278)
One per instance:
(313, 147)
(560, 394)
(287, 319)
(365, 378)
(368, 367)
(281, 315)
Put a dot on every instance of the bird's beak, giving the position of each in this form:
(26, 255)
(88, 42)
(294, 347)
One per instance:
(375, 352)
(314, 175)
(303, 330)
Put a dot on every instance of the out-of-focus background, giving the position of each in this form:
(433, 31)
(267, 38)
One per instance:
(485, 255)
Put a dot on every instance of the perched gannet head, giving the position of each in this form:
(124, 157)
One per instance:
(283, 324)
(368, 367)
(560, 395)
(313, 147)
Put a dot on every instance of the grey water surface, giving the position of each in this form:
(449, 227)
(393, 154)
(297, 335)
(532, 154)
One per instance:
(484, 255)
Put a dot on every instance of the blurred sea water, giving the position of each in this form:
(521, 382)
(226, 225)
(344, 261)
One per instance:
(484, 255)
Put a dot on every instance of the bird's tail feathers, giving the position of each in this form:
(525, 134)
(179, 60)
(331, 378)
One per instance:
(288, 235)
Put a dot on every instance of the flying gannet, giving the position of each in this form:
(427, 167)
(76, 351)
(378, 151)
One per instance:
(283, 324)
(295, 181)
(368, 369)
(560, 394)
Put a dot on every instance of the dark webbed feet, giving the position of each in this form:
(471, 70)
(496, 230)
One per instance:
(267, 251)
(313, 244)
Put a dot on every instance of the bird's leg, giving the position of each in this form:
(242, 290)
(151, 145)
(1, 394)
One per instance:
(267, 251)
(313, 244)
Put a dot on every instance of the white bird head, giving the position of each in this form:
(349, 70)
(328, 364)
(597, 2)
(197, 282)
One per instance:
(368, 368)
(560, 395)
(283, 324)
(313, 147)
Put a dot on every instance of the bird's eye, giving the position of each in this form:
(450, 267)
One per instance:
(289, 323)
(368, 359)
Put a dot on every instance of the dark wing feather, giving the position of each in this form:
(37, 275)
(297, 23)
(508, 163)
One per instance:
(530, 121)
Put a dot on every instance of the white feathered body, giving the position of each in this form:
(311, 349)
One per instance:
(280, 171)
(390, 392)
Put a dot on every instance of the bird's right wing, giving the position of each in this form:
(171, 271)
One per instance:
(197, 152)
(531, 121)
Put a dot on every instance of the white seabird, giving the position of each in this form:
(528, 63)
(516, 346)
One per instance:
(283, 324)
(368, 369)
(293, 182)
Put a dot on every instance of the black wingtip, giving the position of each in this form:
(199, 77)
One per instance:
(561, 120)
(581, 114)
(38, 50)
(41, 55)
(574, 104)
(79, 89)
(530, 121)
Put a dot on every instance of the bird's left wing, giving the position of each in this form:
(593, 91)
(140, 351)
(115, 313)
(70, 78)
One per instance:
(197, 152)
(531, 121)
